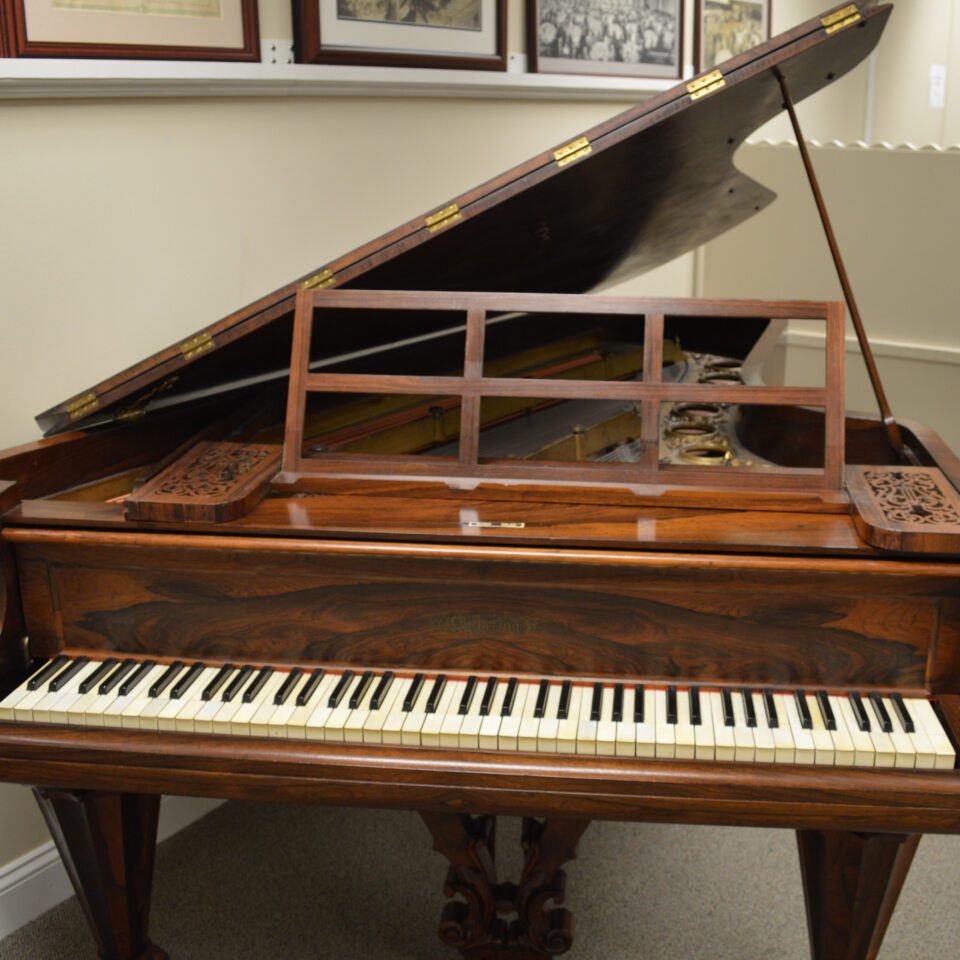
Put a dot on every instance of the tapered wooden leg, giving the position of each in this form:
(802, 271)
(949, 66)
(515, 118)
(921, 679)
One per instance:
(107, 842)
(478, 924)
(851, 882)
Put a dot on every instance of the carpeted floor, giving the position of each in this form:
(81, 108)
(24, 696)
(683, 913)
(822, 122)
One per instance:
(263, 882)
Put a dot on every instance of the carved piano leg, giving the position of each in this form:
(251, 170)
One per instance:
(477, 925)
(851, 882)
(107, 842)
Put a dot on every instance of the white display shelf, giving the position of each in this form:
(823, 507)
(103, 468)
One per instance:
(27, 78)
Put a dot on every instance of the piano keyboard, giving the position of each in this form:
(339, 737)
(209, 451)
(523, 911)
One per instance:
(488, 713)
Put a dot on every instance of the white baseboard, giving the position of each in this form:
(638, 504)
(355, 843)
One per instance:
(37, 881)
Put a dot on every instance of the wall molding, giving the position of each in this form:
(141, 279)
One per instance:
(900, 350)
(37, 881)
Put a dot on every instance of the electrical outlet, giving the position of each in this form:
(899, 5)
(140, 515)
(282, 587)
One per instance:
(938, 86)
(276, 52)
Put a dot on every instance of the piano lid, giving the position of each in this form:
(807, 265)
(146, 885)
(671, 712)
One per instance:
(628, 195)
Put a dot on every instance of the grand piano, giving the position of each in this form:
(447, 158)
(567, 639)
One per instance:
(435, 528)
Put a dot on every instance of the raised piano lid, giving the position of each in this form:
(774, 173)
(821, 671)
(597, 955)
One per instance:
(646, 186)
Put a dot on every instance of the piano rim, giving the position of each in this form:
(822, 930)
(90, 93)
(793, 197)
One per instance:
(479, 781)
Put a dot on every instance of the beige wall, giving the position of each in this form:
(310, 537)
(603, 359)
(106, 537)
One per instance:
(129, 224)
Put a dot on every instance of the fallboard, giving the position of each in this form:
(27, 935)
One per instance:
(771, 621)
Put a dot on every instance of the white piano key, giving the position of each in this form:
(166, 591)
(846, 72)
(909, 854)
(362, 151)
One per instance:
(844, 751)
(452, 720)
(470, 728)
(254, 717)
(864, 754)
(822, 741)
(23, 708)
(392, 727)
(529, 724)
(684, 732)
(359, 715)
(666, 732)
(333, 729)
(765, 746)
(15, 696)
(725, 746)
(166, 717)
(783, 745)
(586, 728)
(626, 743)
(490, 728)
(646, 731)
(922, 711)
(280, 718)
(906, 754)
(448, 703)
(606, 728)
(508, 737)
(50, 708)
(804, 749)
(193, 703)
(926, 755)
(313, 728)
(567, 729)
(113, 716)
(140, 700)
(203, 721)
(704, 739)
(373, 727)
(884, 753)
(410, 731)
(744, 745)
(549, 724)
(297, 724)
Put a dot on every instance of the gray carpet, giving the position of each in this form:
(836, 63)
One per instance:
(264, 882)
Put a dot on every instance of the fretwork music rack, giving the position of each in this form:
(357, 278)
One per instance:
(472, 386)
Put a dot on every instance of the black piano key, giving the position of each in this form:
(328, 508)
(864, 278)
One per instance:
(696, 715)
(411, 698)
(58, 682)
(383, 687)
(310, 687)
(131, 684)
(906, 721)
(563, 708)
(117, 676)
(236, 684)
(672, 705)
(638, 703)
(253, 691)
(187, 681)
(880, 709)
(468, 694)
(617, 716)
(88, 683)
(770, 706)
(806, 721)
(220, 678)
(509, 698)
(596, 701)
(539, 708)
(823, 702)
(433, 701)
(46, 673)
(166, 678)
(287, 687)
(488, 694)
(749, 711)
(360, 690)
(727, 701)
(863, 720)
(333, 701)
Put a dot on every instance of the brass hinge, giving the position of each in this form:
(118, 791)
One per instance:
(443, 218)
(83, 405)
(138, 409)
(708, 83)
(320, 280)
(572, 151)
(840, 18)
(196, 345)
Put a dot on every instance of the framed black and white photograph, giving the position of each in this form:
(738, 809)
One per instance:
(628, 38)
(725, 28)
(458, 34)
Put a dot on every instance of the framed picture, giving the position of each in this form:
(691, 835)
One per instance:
(725, 28)
(457, 34)
(625, 38)
(132, 29)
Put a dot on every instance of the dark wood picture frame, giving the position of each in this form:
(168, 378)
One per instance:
(698, 45)
(309, 46)
(535, 62)
(15, 41)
